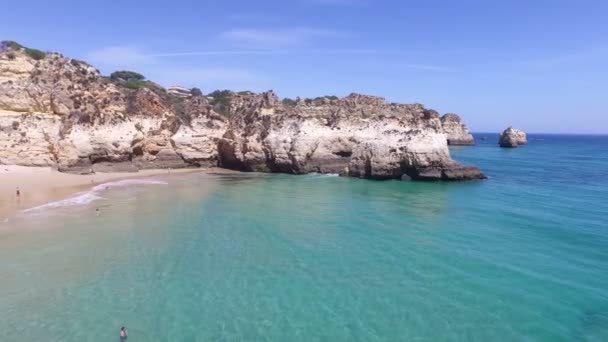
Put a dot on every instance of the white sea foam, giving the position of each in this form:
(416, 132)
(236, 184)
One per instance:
(127, 182)
(84, 198)
(326, 174)
(81, 198)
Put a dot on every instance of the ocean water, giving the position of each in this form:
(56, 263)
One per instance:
(522, 256)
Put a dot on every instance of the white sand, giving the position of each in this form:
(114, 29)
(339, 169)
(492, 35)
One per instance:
(40, 185)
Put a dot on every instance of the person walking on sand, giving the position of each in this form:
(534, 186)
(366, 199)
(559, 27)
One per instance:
(97, 212)
(123, 334)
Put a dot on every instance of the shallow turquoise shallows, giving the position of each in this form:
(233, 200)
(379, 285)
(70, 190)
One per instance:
(522, 256)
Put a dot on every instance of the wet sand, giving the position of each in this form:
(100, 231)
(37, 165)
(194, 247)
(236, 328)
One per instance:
(40, 185)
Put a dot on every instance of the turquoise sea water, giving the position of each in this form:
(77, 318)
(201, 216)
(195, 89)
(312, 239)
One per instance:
(522, 256)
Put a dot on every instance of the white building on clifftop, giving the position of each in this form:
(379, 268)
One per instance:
(179, 91)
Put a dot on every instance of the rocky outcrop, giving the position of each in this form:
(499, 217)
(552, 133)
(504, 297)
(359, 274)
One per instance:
(56, 111)
(512, 137)
(360, 136)
(456, 132)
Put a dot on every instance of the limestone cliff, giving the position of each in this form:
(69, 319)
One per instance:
(60, 112)
(512, 137)
(361, 136)
(456, 132)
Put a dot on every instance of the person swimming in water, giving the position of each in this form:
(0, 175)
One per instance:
(123, 334)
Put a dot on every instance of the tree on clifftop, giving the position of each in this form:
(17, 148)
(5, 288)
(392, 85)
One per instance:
(196, 92)
(126, 76)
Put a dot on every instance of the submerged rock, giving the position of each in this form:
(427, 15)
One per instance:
(56, 111)
(512, 137)
(456, 132)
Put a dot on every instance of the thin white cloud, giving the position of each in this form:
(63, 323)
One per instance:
(252, 17)
(158, 69)
(338, 2)
(193, 75)
(212, 78)
(120, 56)
(277, 38)
(426, 67)
(265, 52)
(577, 56)
(123, 55)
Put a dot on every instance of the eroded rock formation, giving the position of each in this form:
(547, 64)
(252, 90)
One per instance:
(361, 136)
(512, 137)
(456, 132)
(60, 112)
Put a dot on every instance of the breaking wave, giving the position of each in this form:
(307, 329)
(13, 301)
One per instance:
(84, 198)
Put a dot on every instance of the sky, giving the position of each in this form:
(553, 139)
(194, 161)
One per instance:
(539, 65)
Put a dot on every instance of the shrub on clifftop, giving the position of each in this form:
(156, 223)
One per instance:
(289, 102)
(11, 44)
(35, 54)
(221, 101)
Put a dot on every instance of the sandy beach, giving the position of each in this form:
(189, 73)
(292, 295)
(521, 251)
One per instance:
(40, 185)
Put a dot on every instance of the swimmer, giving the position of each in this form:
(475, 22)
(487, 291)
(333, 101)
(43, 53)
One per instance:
(123, 334)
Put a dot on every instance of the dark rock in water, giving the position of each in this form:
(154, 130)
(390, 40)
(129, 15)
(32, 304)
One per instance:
(512, 137)
(405, 177)
(460, 172)
(452, 172)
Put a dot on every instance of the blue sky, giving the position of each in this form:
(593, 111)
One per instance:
(538, 65)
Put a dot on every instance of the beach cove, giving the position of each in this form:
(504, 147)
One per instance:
(247, 256)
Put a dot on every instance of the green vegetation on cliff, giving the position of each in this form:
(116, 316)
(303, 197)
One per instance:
(221, 100)
(33, 53)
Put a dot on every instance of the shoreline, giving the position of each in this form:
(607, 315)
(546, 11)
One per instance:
(42, 185)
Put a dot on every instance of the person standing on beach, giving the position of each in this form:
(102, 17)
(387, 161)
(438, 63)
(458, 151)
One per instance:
(97, 212)
(18, 192)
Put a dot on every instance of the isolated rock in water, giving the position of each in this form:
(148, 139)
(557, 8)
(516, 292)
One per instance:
(456, 132)
(60, 112)
(512, 137)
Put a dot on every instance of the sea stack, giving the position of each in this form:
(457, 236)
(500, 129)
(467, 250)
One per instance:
(456, 132)
(512, 137)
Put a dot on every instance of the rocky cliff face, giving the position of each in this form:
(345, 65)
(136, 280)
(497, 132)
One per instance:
(361, 136)
(512, 137)
(60, 112)
(456, 132)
